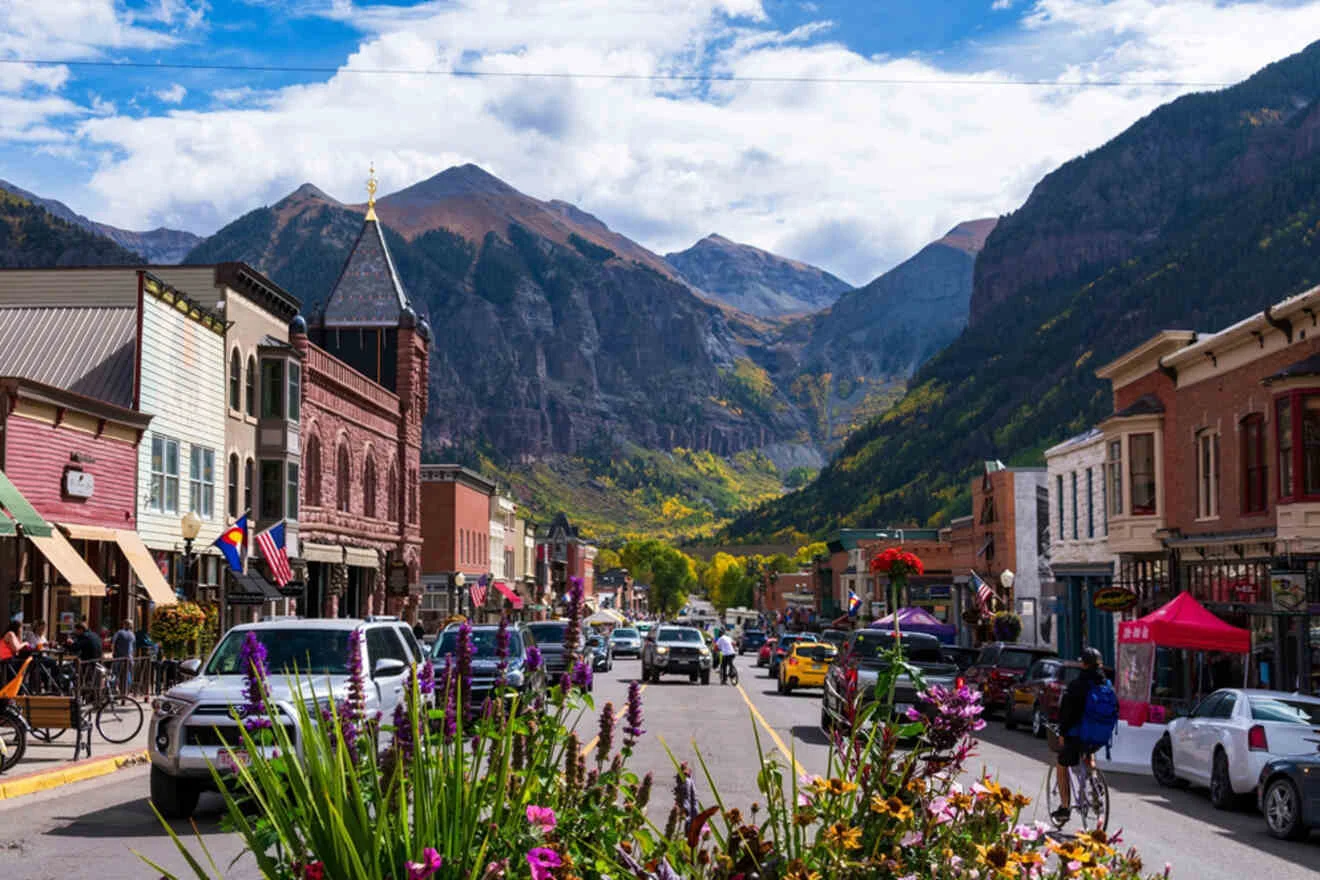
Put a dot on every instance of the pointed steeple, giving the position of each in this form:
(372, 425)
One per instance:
(368, 292)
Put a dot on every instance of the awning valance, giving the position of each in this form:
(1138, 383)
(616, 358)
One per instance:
(362, 557)
(23, 513)
(250, 589)
(57, 549)
(140, 560)
(328, 553)
(509, 594)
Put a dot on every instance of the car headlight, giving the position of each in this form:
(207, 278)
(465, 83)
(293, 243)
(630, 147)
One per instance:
(705, 652)
(514, 678)
(168, 707)
(661, 649)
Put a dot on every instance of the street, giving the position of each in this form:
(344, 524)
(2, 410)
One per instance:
(95, 827)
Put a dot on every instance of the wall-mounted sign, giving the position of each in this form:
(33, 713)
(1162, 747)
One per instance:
(397, 579)
(78, 484)
(1113, 599)
(1288, 589)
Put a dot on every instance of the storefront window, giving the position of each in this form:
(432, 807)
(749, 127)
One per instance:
(1115, 482)
(1141, 472)
(1284, 412)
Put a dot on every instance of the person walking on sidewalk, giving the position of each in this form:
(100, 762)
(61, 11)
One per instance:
(122, 649)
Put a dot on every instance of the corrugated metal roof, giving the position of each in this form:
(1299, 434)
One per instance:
(86, 350)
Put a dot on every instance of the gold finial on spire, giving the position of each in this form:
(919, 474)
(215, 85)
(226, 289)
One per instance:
(371, 193)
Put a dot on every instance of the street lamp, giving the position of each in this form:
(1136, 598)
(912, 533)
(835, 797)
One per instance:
(189, 526)
(1006, 578)
(458, 581)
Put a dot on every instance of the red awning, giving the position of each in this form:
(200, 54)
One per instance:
(1185, 623)
(509, 594)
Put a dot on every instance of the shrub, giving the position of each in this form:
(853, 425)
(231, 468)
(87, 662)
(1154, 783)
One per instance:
(1008, 626)
(177, 627)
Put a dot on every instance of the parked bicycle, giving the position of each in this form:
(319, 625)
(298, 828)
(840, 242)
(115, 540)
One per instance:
(117, 717)
(1089, 803)
(13, 726)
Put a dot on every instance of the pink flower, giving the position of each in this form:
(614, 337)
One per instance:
(541, 817)
(912, 838)
(1029, 832)
(1073, 866)
(543, 861)
(427, 867)
(940, 809)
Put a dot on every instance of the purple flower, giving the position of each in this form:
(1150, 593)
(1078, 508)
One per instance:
(573, 632)
(403, 730)
(426, 868)
(252, 660)
(582, 676)
(463, 656)
(606, 735)
(543, 861)
(632, 715)
(426, 679)
(502, 649)
(451, 700)
(357, 690)
(541, 817)
(534, 659)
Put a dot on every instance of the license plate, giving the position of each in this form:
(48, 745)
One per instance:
(235, 759)
(902, 708)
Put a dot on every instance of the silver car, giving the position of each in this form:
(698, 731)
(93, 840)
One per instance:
(627, 642)
(192, 720)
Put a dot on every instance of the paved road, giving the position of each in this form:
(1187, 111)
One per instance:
(91, 829)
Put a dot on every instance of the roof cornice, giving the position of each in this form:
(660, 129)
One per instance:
(1146, 357)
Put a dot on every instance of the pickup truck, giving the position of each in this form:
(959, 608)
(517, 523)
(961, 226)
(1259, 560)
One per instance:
(863, 657)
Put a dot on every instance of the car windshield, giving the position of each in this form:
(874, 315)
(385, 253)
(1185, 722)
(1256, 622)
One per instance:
(873, 646)
(679, 635)
(595, 641)
(1010, 659)
(483, 643)
(625, 634)
(1288, 711)
(785, 641)
(301, 650)
(548, 634)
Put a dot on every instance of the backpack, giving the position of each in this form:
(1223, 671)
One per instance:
(1100, 715)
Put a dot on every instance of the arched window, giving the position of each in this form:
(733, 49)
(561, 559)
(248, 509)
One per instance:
(343, 479)
(234, 468)
(312, 472)
(252, 386)
(369, 487)
(236, 383)
(412, 497)
(392, 487)
(249, 469)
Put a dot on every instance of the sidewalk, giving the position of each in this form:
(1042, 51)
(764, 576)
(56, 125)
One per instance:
(48, 765)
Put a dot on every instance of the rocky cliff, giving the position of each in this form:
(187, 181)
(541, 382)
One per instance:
(755, 281)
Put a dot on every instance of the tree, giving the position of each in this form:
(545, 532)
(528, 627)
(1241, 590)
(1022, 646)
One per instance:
(670, 572)
(607, 559)
(805, 555)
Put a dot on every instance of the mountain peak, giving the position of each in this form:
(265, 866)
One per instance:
(970, 235)
(459, 180)
(306, 192)
(755, 281)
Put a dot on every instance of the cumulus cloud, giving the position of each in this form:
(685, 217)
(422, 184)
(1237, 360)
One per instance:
(853, 176)
(172, 95)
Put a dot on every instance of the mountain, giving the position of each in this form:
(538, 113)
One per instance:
(156, 246)
(856, 356)
(755, 281)
(553, 334)
(1198, 214)
(31, 237)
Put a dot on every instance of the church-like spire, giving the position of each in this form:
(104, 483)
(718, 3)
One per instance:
(368, 292)
(371, 193)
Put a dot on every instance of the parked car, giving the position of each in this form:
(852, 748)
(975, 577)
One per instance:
(602, 653)
(998, 667)
(549, 636)
(1288, 794)
(763, 656)
(752, 640)
(835, 637)
(806, 665)
(626, 642)
(191, 719)
(1037, 696)
(855, 673)
(486, 662)
(676, 650)
(780, 649)
(1230, 736)
(963, 658)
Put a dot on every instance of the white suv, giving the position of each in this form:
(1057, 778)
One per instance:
(192, 718)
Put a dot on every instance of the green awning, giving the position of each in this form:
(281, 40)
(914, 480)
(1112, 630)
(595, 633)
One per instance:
(23, 513)
(7, 529)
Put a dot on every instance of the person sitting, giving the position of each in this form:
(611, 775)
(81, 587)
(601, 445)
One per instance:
(86, 644)
(36, 639)
(1072, 711)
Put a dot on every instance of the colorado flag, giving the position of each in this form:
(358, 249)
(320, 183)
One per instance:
(231, 541)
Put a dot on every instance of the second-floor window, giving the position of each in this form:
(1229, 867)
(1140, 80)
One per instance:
(248, 467)
(1254, 469)
(1141, 473)
(291, 490)
(272, 490)
(1058, 487)
(164, 474)
(1114, 477)
(251, 384)
(201, 482)
(1207, 474)
(236, 381)
(1090, 505)
(1074, 506)
(272, 388)
(1284, 412)
(369, 488)
(343, 481)
(233, 485)
(295, 391)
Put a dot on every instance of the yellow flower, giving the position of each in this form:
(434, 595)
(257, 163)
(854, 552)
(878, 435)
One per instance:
(916, 785)
(804, 817)
(891, 806)
(961, 802)
(1097, 841)
(798, 871)
(840, 787)
(998, 859)
(841, 834)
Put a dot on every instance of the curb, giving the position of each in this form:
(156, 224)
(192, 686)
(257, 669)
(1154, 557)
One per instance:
(45, 780)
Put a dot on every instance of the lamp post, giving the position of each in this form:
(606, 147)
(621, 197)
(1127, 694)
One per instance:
(189, 526)
(458, 581)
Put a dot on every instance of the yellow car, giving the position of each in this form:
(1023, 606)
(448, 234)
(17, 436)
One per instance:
(806, 665)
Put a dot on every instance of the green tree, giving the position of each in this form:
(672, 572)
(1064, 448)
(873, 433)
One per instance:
(805, 555)
(671, 573)
(607, 559)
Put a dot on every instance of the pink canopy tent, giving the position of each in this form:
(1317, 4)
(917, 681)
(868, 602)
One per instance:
(1185, 623)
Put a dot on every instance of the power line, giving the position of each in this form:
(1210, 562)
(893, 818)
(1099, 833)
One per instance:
(646, 77)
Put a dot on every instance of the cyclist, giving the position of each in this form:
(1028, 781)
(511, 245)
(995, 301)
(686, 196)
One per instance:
(724, 646)
(1073, 710)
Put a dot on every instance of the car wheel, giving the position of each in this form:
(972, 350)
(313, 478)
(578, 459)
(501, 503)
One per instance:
(789, 685)
(1009, 722)
(1221, 786)
(1161, 764)
(1037, 722)
(705, 676)
(175, 798)
(1283, 810)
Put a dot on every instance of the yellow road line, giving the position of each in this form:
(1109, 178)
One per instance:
(46, 780)
(586, 750)
(779, 743)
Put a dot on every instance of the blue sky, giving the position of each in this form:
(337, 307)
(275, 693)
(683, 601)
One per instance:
(850, 176)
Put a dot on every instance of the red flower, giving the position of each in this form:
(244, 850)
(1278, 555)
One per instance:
(897, 563)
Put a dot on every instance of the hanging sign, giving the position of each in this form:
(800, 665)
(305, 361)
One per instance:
(1113, 599)
(1288, 591)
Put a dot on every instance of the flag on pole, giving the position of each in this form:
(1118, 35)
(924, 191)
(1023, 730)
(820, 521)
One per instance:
(983, 592)
(854, 603)
(231, 542)
(478, 593)
(273, 549)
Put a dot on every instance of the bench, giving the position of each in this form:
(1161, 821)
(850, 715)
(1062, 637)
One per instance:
(58, 713)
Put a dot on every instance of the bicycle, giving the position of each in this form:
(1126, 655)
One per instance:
(118, 717)
(729, 675)
(1089, 790)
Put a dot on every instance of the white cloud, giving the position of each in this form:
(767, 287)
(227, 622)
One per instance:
(853, 177)
(172, 95)
(1001, 5)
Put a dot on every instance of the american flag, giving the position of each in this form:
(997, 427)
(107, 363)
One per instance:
(983, 592)
(271, 543)
(478, 591)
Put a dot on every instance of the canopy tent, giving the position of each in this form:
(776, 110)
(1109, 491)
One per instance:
(919, 620)
(1185, 623)
(606, 617)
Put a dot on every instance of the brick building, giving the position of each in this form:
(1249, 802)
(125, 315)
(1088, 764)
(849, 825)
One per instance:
(365, 365)
(846, 567)
(561, 554)
(1010, 532)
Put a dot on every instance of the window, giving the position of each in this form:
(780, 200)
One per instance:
(1114, 485)
(392, 488)
(1253, 464)
(343, 478)
(272, 388)
(1141, 472)
(1058, 486)
(1074, 506)
(272, 489)
(233, 485)
(369, 488)
(1310, 436)
(201, 482)
(1090, 504)
(1207, 475)
(164, 475)
(412, 497)
(252, 386)
(291, 490)
(295, 391)
(313, 461)
(236, 381)
(1284, 411)
(248, 468)
(383, 644)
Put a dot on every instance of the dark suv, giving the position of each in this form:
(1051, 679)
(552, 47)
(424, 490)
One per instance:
(485, 663)
(1000, 666)
(549, 636)
(752, 640)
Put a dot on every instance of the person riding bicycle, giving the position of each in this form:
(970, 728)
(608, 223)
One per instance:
(727, 651)
(1073, 709)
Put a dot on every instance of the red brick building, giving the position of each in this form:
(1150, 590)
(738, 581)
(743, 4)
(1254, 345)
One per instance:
(562, 554)
(455, 534)
(365, 370)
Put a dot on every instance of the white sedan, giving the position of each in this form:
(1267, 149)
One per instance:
(1230, 736)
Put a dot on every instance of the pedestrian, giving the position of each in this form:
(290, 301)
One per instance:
(122, 649)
